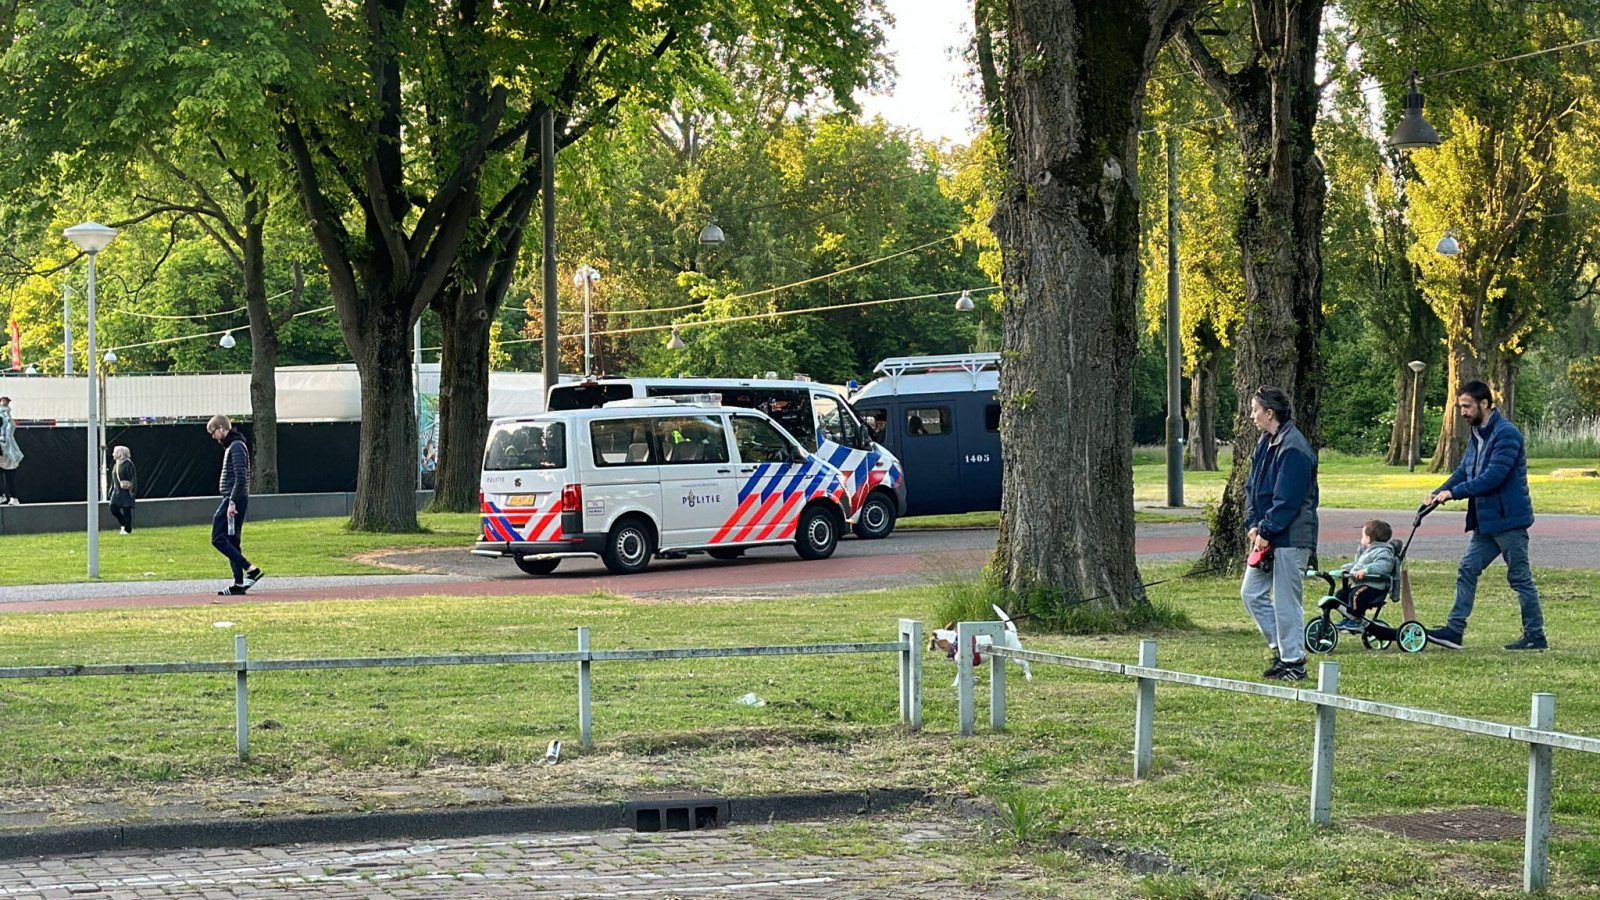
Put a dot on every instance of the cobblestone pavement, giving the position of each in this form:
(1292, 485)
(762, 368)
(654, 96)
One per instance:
(724, 862)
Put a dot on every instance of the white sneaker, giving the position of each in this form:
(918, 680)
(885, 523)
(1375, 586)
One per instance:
(123, 531)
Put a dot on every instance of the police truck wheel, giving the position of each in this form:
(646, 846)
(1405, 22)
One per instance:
(628, 547)
(876, 519)
(818, 533)
(537, 566)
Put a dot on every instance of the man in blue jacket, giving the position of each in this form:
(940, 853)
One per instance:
(1493, 479)
(1281, 513)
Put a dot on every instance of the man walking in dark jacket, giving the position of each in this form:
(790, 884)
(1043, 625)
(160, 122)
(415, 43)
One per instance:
(1281, 513)
(234, 484)
(1493, 479)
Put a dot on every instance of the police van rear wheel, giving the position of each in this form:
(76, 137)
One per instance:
(818, 533)
(537, 566)
(877, 517)
(628, 547)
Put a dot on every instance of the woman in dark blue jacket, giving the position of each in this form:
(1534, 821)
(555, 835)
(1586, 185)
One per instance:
(1281, 513)
(1493, 479)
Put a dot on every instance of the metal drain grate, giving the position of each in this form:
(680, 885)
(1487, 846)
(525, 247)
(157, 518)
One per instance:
(677, 813)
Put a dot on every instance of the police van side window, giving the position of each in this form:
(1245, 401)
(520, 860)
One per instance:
(928, 421)
(835, 421)
(877, 424)
(621, 442)
(791, 409)
(691, 439)
(759, 442)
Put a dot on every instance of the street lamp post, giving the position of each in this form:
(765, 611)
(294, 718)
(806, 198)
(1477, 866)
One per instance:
(585, 278)
(1416, 366)
(91, 238)
(66, 329)
(1174, 339)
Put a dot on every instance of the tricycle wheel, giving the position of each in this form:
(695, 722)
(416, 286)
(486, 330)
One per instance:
(1412, 637)
(1321, 636)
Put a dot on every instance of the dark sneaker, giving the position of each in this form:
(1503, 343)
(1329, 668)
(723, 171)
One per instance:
(1352, 626)
(1529, 643)
(1290, 671)
(1272, 669)
(251, 577)
(233, 590)
(1446, 636)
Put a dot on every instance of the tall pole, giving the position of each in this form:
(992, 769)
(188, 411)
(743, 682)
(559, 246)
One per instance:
(1174, 344)
(588, 355)
(66, 329)
(416, 379)
(91, 493)
(547, 169)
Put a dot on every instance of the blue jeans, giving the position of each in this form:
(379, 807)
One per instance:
(1481, 551)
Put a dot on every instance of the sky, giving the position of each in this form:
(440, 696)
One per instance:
(930, 92)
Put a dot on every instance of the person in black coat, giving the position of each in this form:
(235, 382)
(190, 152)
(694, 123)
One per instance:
(124, 487)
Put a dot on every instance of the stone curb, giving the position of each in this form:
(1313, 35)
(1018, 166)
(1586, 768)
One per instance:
(430, 824)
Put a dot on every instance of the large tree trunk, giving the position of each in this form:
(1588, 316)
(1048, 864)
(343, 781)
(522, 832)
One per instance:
(263, 352)
(386, 473)
(1405, 422)
(463, 398)
(1273, 105)
(1202, 449)
(1069, 229)
(1466, 364)
(1503, 381)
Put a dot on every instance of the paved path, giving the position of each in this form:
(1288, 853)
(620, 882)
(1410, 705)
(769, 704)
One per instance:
(610, 864)
(908, 557)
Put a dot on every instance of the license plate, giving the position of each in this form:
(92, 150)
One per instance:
(523, 500)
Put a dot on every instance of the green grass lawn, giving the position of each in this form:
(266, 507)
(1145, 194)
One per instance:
(1229, 796)
(1349, 482)
(279, 546)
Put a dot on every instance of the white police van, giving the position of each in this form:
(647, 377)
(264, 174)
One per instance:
(815, 414)
(638, 479)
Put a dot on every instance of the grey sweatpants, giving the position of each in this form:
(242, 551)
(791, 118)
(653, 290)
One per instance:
(1276, 601)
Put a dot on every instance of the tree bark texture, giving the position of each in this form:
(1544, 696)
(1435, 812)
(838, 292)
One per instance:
(1272, 102)
(463, 399)
(1202, 447)
(1466, 363)
(1069, 228)
(263, 353)
(1407, 418)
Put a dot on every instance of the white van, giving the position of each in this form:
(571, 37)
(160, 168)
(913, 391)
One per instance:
(642, 478)
(817, 415)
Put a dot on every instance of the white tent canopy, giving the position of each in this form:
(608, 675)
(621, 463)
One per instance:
(305, 394)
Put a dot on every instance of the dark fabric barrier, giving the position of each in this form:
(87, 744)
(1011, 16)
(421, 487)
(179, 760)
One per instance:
(183, 461)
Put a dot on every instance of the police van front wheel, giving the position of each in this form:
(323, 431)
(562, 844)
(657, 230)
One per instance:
(628, 547)
(818, 532)
(537, 566)
(876, 519)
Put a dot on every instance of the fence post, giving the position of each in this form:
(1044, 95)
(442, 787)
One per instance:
(1144, 713)
(965, 634)
(585, 714)
(1536, 843)
(241, 696)
(911, 674)
(1322, 748)
(997, 692)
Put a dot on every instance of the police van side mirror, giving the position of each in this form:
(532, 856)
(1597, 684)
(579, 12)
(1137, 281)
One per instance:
(796, 454)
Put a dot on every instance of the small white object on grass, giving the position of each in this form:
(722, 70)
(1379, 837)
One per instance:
(751, 699)
(221, 624)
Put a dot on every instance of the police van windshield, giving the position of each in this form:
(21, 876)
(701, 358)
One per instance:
(526, 445)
